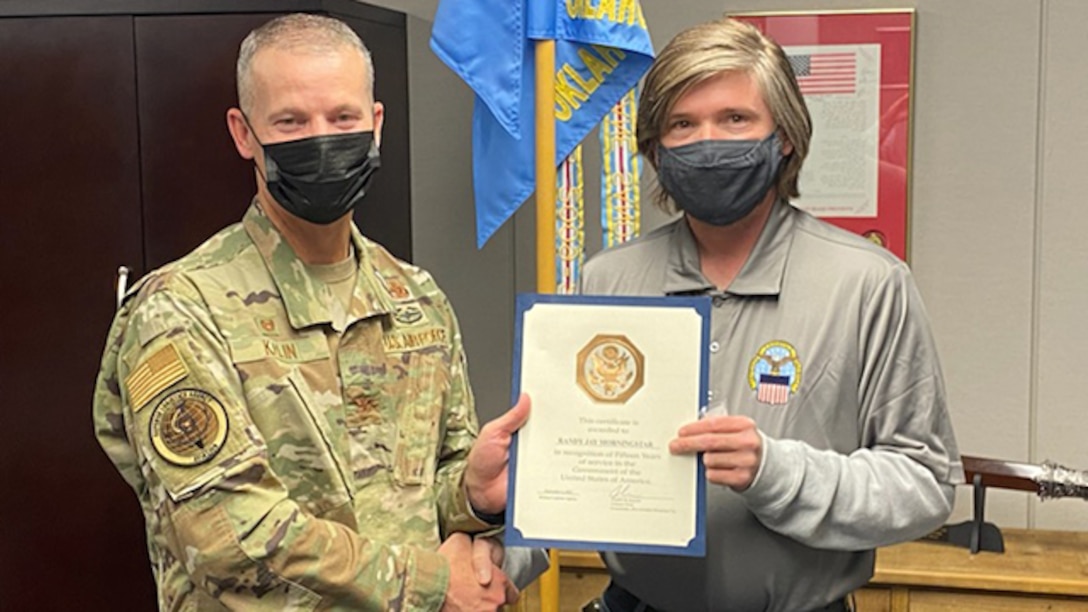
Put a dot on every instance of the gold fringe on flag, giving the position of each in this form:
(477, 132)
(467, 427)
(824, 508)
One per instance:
(620, 173)
(570, 235)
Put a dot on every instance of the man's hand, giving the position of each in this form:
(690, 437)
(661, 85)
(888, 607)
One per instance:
(486, 552)
(466, 593)
(731, 445)
(488, 555)
(485, 475)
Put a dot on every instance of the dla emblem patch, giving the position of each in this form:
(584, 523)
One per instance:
(775, 372)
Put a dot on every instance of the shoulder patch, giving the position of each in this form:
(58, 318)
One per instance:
(188, 427)
(163, 368)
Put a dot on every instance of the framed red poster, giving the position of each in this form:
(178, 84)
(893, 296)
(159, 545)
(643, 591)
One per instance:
(855, 70)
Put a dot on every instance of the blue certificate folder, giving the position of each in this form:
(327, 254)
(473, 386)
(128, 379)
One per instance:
(611, 379)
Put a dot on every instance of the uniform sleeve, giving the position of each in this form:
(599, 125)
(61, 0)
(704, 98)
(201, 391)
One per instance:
(171, 412)
(461, 429)
(900, 484)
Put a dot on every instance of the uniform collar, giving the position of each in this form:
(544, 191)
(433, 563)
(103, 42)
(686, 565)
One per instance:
(762, 272)
(305, 298)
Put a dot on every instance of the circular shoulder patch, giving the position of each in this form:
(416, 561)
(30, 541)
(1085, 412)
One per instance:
(188, 427)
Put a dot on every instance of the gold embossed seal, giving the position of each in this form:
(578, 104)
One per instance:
(610, 368)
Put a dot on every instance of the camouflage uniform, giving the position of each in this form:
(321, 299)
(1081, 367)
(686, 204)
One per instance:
(285, 461)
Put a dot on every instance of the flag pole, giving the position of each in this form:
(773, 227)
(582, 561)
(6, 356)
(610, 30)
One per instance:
(545, 236)
(545, 166)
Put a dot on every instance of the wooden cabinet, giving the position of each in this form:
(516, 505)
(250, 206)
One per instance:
(114, 150)
(69, 192)
(1039, 570)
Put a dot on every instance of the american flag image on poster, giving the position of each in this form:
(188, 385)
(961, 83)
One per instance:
(826, 72)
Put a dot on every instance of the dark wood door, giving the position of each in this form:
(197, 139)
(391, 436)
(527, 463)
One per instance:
(194, 182)
(70, 528)
(114, 151)
(385, 214)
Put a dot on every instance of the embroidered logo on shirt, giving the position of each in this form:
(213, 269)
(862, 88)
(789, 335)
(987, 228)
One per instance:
(188, 427)
(610, 368)
(775, 372)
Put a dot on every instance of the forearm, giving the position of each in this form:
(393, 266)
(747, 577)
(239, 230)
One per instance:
(246, 544)
(461, 430)
(455, 512)
(864, 500)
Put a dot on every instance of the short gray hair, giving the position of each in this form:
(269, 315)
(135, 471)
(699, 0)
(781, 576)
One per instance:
(705, 50)
(313, 33)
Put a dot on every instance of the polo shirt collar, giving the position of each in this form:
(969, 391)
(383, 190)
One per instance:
(762, 272)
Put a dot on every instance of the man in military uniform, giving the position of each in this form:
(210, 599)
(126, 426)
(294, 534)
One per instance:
(289, 401)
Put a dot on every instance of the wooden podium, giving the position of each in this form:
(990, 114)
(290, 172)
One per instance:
(1039, 570)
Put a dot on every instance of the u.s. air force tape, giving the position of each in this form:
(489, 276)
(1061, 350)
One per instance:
(188, 427)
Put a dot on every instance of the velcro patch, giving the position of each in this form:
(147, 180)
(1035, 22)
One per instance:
(398, 342)
(162, 369)
(188, 427)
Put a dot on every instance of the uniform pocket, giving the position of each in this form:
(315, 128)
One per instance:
(234, 580)
(300, 443)
(419, 414)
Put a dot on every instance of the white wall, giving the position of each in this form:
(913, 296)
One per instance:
(999, 160)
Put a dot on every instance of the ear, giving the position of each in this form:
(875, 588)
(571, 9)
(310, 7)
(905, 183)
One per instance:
(379, 120)
(243, 138)
(787, 146)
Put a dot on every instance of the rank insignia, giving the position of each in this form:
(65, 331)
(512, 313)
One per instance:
(775, 372)
(188, 427)
(610, 368)
(268, 326)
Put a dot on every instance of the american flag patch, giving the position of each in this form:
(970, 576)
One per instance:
(825, 73)
(153, 376)
(773, 389)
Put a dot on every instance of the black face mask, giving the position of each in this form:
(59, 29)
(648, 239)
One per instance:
(321, 178)
(720, 181)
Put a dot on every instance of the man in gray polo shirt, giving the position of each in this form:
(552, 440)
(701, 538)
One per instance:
(827, 433)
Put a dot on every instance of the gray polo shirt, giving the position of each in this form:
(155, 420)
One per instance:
(822, 339)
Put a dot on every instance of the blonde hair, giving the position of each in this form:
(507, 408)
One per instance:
(700, 52)
(312, 33)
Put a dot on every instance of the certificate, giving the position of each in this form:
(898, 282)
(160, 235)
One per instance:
(611, 380)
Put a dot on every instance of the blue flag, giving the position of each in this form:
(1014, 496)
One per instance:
(602, 49)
